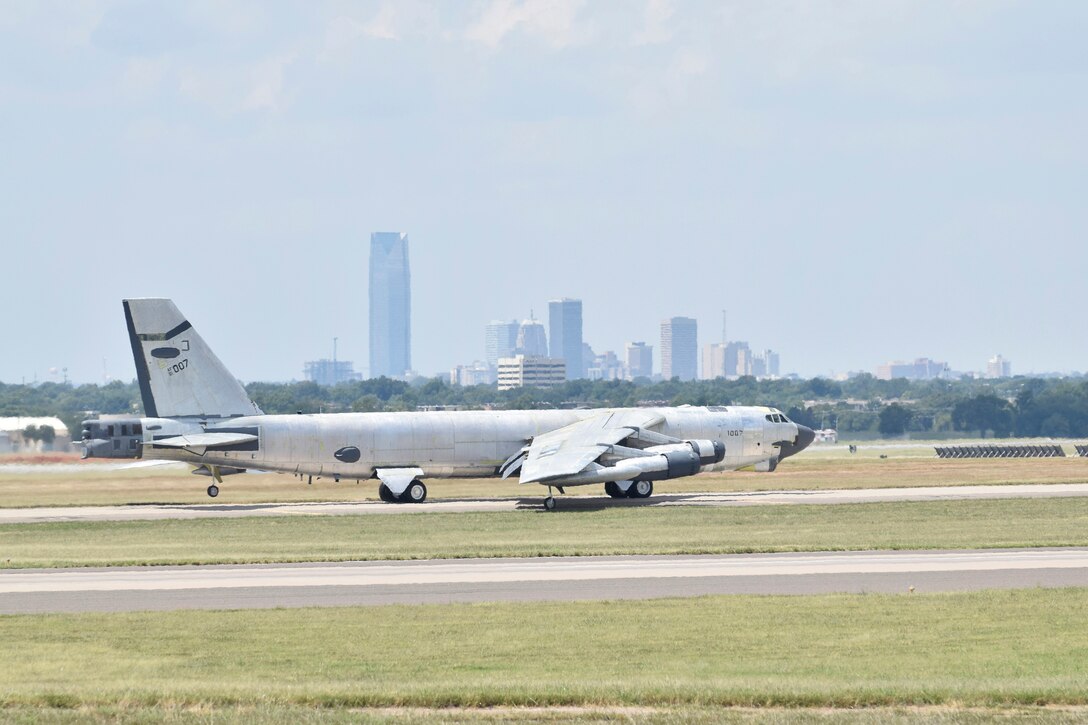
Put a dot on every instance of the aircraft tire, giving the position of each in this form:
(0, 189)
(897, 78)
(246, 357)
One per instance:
(415, 493)
(641, 489)
(213, 490)
(385, 494)
(549, 503)
(613, 490)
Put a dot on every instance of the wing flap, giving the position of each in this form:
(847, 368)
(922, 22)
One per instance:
(569, 450)
(204, 440)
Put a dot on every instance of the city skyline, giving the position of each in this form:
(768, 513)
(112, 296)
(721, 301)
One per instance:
(854, 182)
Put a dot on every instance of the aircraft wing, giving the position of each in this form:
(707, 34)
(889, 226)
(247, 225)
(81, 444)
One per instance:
(570, 449)
(204, 440)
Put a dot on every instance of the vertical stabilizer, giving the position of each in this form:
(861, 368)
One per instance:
(179, 375)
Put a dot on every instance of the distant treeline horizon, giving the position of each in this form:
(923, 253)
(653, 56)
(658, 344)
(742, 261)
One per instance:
(1018, 406)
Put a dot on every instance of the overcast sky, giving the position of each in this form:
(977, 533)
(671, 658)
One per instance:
(854, 181)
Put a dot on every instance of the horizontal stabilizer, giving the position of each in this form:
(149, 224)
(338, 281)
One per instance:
(204, 440)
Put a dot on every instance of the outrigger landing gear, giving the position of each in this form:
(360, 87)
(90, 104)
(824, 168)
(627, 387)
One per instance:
(213, 490)
(549, 503)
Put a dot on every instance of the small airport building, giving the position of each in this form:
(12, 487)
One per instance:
(32, 435)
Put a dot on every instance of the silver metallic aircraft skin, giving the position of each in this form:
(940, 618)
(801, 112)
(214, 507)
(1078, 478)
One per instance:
(201, 415)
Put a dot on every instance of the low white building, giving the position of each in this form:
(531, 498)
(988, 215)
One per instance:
(478, 373)
(13, 438)
(523, 371)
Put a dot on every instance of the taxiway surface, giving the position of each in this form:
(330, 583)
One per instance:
(544, 579)
(151, 512)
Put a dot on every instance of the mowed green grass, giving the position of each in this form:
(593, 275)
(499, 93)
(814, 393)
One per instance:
(655, 715)
(609, 531)
(95, 484)
(995, 648)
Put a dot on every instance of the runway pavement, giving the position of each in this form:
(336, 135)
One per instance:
(146, 512)
(565, 578)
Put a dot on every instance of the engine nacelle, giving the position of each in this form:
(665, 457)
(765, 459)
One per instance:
(710, 452)
(678, 463)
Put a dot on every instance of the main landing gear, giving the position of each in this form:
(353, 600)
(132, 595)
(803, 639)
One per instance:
(415, 493)
(637, 489)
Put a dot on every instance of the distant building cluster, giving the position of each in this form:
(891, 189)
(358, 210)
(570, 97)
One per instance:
(733, 360)
(528, 344)
(920, 369)
(330, 372)
(526, 353)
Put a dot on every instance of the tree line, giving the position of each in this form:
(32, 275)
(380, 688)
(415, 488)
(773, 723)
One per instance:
(863, 404)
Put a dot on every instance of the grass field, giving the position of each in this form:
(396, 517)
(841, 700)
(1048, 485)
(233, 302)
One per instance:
(92, 484)
(658, 715)
(913, 525)
(987, 649)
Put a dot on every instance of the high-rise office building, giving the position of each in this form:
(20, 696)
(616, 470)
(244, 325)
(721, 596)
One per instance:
(679, 348)
(565, 331)
(714, 360)
(500, 340)
(532, 340)
(639, 358)
(737, 357)
(998, 367)
(390, 305)
(770, 358)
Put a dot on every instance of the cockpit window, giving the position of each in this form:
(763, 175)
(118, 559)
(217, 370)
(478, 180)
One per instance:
(777, 418)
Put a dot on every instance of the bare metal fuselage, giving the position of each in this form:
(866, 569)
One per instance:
(442, 444)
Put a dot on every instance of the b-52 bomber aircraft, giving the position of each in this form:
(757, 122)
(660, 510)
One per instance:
(197, 412)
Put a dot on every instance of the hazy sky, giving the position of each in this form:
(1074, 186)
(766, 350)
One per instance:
(854, 181)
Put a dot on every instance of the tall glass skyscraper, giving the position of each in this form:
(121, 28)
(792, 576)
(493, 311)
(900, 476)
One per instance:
(679, 348)
(390, 305)
(500, 341)
(565, 332)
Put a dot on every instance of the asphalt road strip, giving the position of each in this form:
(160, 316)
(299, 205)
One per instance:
(153, 512)
(555, 578)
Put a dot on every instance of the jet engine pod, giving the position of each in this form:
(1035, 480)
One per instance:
(709, 452)
(678, 463)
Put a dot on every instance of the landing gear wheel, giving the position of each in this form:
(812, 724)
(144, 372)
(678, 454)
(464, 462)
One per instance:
(613, 490)
(415, 493)
(213, 490)
(385, 494)
(549, 504)
(641, 489)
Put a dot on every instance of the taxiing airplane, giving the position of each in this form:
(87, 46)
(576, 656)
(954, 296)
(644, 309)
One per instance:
(197, 412)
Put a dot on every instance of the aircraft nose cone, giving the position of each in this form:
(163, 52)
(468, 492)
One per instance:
(805, 436)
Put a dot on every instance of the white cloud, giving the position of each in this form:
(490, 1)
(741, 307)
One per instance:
(556, 22)
(266, 84)
(143, 75)
(254, 87)
(655, 23)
